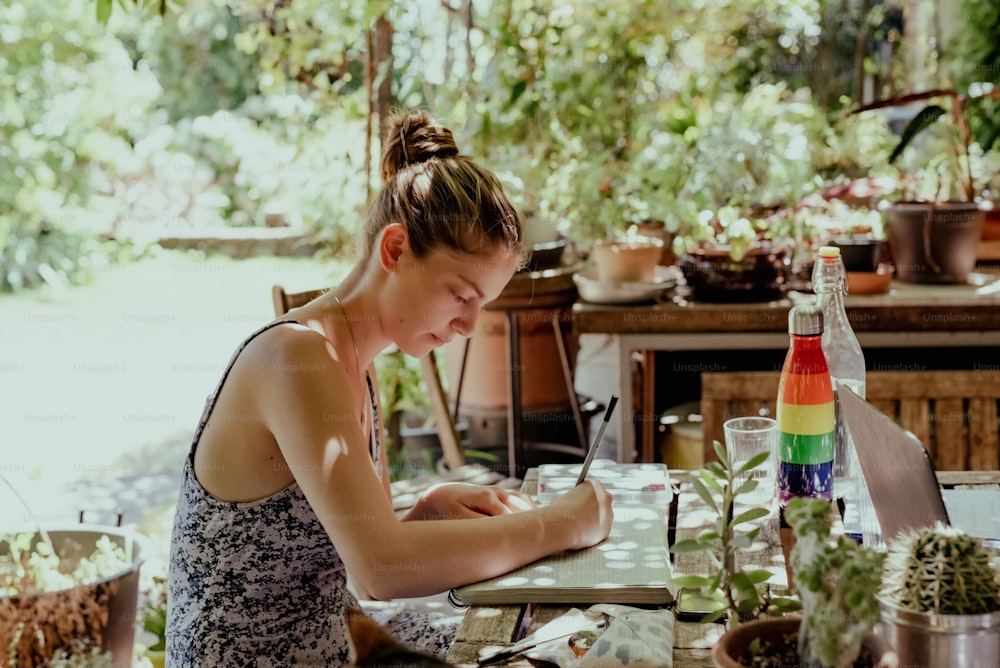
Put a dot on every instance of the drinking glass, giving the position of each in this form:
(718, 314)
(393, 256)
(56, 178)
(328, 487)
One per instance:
(745, 437)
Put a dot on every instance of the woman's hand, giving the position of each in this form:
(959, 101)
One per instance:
(459, 500)
(589, 506)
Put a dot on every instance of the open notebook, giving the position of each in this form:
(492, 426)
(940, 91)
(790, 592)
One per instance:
(631, 566)
(902, 482)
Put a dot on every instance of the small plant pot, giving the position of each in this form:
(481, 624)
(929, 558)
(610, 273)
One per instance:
(860, 253)
(630, 260)
(934, 243)
(714, 276)
(781, 633)
(925, 639)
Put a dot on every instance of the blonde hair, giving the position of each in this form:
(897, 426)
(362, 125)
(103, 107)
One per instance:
(443, 198)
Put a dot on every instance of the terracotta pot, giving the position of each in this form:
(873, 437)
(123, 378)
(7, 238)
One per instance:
(486, 369)
(630, 260)
(658, 230)
(934, 243)
(784, 630)
(714, 276)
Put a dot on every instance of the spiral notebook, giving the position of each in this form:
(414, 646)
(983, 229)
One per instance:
(902, 482)
(632, 565)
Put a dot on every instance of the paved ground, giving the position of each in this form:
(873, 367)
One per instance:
(103, 384)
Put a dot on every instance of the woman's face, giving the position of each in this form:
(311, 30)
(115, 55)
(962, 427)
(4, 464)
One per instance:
(440, 296)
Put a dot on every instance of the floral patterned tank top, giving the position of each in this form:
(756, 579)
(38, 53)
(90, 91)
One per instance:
(256, 583)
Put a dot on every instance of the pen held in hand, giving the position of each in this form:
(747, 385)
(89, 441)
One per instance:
(597, 440)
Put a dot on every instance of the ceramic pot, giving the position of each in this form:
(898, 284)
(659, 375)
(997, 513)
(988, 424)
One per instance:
(631, 260)
(924, 640)
(658, 230)
(934, 243)
(105, 609)
(859, 253)
(782, 631)
(714, 276)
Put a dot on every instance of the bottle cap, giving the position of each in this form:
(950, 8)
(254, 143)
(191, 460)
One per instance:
(829, 251)
(805, 320)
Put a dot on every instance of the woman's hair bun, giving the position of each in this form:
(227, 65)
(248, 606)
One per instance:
(413, 137)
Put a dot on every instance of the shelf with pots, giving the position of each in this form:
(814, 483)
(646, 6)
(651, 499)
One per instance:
(936, 225)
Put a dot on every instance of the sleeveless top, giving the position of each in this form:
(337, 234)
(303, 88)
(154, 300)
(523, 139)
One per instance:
(255, 583)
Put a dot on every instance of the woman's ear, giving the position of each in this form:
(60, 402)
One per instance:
(393, 245)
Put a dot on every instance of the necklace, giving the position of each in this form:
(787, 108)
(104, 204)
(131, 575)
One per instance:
(350, 330)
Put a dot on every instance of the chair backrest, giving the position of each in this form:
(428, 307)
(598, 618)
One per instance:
(953, 413)
(286, 301)
(453, 453)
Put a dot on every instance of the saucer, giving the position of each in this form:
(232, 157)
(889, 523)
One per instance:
(595, 291)
(870, 282)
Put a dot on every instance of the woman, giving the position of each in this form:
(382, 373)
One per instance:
(285, 491)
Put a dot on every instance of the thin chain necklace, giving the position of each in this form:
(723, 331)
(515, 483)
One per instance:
(350, 330)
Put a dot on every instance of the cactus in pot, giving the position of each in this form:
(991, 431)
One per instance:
(940, 599)
(941, 570)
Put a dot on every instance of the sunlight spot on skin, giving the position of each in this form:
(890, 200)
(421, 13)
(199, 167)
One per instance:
(334, 448)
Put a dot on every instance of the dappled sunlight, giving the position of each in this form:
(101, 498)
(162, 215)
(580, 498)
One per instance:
(616, 555)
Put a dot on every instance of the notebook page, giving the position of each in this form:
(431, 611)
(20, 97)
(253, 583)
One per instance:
(633, 558)
(974, 511)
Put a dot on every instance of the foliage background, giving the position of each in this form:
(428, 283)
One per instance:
(119, 124)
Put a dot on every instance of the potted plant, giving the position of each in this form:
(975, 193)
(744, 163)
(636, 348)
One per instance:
(740, 593)
(940, 599)
(71, 591)
(935, 231)
(835, 583)
(734, 259)
(750, 158)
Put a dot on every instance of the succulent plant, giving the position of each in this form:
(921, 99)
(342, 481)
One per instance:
(942, 570)
(836, 580)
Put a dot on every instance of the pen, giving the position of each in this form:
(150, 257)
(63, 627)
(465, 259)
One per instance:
(597, 439)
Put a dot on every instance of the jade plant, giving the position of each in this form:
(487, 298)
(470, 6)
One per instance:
(941, 570)
(744, 595)
(836, 581)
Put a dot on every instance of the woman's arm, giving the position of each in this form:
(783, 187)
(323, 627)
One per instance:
(315, 421)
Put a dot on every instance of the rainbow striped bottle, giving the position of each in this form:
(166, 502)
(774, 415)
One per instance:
(805, 411)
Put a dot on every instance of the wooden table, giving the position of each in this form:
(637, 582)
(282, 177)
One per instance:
(909, 316)
(492, 627)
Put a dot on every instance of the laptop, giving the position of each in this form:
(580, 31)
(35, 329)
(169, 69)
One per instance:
(902, 482)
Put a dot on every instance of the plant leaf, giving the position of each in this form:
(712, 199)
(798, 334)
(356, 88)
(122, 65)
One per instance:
(759, 576)
(103, 10)
(703, 492)
(720, 450)
(750, 515)
(921, 121)
(689, 545)
(718, 614)
(754, 462)
(710, 481)
(691, 581)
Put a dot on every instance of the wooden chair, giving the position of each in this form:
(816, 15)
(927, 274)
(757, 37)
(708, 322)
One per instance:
(405, 492)
(953, 413)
